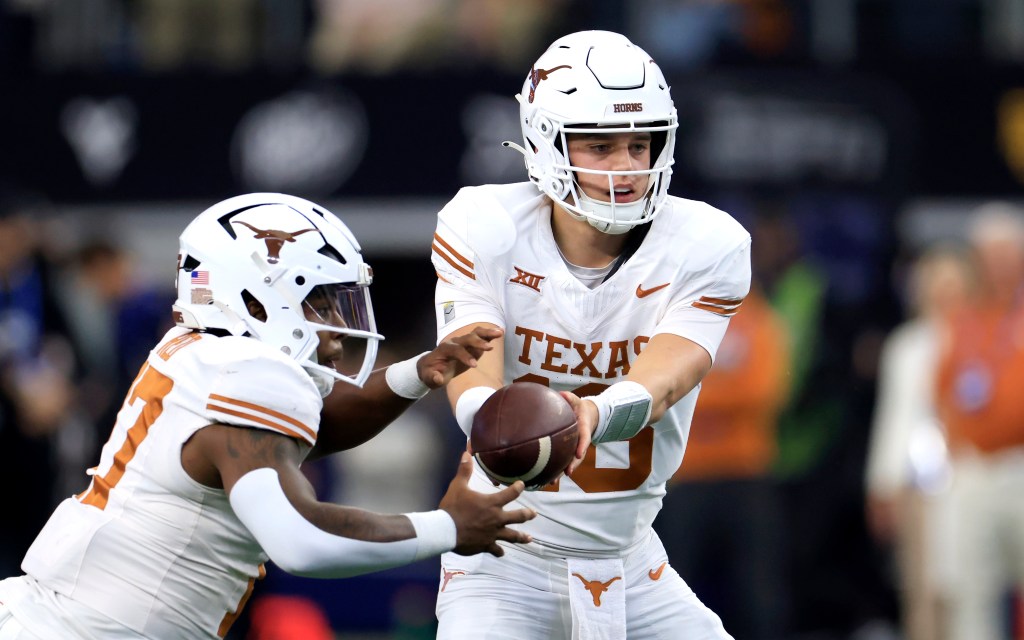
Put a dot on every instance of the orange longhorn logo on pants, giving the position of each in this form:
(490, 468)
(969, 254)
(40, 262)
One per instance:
(595, 587)
(448, 575)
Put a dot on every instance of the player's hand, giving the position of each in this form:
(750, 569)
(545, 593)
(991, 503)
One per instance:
(586, 421)
(480, 518)
(453, 356)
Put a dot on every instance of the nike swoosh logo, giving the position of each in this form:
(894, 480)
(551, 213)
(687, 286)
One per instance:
(656, 573)
(643, 293)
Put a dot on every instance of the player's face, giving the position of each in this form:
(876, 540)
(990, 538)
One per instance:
(626, 151)
(323, 309)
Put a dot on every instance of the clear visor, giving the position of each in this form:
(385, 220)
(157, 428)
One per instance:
(342, 316)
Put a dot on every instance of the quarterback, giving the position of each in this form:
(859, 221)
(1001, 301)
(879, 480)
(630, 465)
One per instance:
(614, 293)
(199, 484)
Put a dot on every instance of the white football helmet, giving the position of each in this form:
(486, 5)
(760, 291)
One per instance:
(291, 256)
(596, 82)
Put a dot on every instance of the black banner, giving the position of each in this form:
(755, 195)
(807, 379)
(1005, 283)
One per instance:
(109, 139)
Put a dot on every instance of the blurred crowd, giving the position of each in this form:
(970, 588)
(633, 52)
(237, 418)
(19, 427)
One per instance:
(75, 326)
(383, 36)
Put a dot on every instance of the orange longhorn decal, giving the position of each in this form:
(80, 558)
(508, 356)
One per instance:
(275, 239)
(595, 587)
(537, 75)
(448, 575)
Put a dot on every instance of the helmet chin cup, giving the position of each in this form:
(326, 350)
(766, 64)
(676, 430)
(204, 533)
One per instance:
(613, 219)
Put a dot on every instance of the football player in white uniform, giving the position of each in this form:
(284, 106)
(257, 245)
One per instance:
(199, 483)
(614, 293)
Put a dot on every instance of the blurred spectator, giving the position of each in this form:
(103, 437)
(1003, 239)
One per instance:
(796, 288)
(980, 401)
(907, 474)
(222, 35)
(384, 36)
(114, 320)
(721, 523)
(37, 364)
(691, 33)
(815, 257)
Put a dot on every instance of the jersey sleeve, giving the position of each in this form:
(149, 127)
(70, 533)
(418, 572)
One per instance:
(462, 246)
(266, 393)
(703, 316)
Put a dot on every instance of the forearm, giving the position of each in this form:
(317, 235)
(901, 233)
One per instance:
(477, 381)
(669, 368)
(352, 416)
(334, 541)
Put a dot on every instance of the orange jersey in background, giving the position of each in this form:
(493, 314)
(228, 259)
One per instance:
(733, 434)
(981, 379)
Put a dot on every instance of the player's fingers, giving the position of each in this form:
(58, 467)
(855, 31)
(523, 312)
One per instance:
(581, 451)
(465, 469)
(571, 398)
(488, 333)
(582, 445)
(464, 355)
(495, 550)
(509, 493)
(511, 535)
(519, 516)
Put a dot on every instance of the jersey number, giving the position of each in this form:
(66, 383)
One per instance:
(588, 476)
(143, 406)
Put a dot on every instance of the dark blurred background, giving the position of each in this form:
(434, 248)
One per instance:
(846, 134)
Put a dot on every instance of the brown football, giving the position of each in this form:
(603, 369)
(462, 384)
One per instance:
(524, 431)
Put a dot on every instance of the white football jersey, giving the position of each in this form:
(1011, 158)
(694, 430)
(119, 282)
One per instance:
(497, 262)
(145, 544)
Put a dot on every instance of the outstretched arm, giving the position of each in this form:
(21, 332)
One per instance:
(352, 416)
(667, 369)
(269, 494)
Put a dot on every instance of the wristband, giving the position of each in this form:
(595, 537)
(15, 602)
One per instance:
(623, 410)
(435, 532)
(469, 403)
(404, 378)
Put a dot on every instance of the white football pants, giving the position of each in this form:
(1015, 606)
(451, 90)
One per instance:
(522, 595)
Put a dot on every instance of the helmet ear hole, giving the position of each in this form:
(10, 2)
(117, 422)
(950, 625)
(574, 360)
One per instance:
(254, 306)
